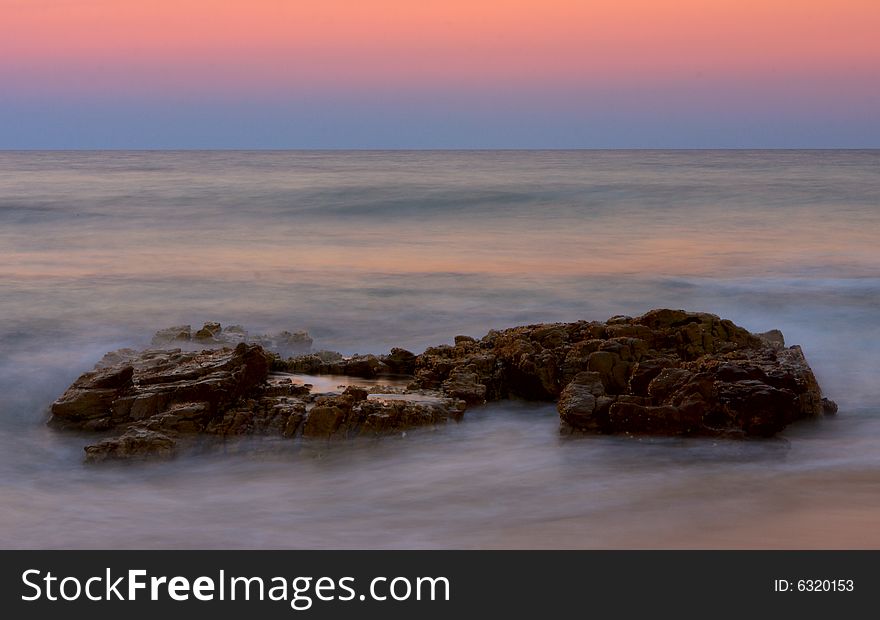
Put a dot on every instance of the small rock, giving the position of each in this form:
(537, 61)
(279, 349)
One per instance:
(134, 444)
(180, 333)
(208, 333)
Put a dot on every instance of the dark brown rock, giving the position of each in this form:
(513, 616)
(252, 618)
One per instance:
(583, 403)
(180, 333)
(464, 383)
(134, 444)
(328, 418)
(208, 333)
(668, 372)
(152, 383)
(381, 417)
(328, 363)
(665, 372)
(366, 366)
(400, 361)
(349, 415)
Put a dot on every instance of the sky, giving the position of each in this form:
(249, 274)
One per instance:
(439, 74)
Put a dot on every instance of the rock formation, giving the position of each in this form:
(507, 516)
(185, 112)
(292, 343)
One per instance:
(154, 399)
(666, 372)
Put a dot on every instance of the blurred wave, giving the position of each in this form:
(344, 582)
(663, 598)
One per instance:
(369, 250)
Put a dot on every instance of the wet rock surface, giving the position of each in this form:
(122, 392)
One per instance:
(157, 400)
(667, 372)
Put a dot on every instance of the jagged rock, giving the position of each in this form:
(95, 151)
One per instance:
(583, 403)
(329, 363)
(269, 415)
(136, 443)
(208, 333)
(667, 372)
(366, 366)
(354, 413)
(381, 417)
(153, 383)
(283, 385)
(156, 397)
(91, 398)
(328, 356)
(181, 333)
(304, 364)
(284, 343)
(400, 361)
(464, 383)
(829, 407)
(774, 338)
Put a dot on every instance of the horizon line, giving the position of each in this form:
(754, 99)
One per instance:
(430, 149)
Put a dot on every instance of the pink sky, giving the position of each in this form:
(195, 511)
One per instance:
(557, 51)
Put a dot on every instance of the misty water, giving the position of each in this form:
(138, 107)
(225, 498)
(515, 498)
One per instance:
(369, 250)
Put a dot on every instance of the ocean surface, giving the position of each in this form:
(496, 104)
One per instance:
(368, 250)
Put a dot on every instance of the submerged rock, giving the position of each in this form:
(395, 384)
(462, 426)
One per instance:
(284, 343)
(133, 444)
(667, 372)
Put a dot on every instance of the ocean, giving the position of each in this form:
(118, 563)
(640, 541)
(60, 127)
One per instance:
(367, 250)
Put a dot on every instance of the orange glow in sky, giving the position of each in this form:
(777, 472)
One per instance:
(282, 45)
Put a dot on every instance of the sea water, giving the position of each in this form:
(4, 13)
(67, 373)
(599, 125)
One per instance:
(369, 250)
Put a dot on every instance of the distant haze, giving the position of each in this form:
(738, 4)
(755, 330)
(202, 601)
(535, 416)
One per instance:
(439, 74)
